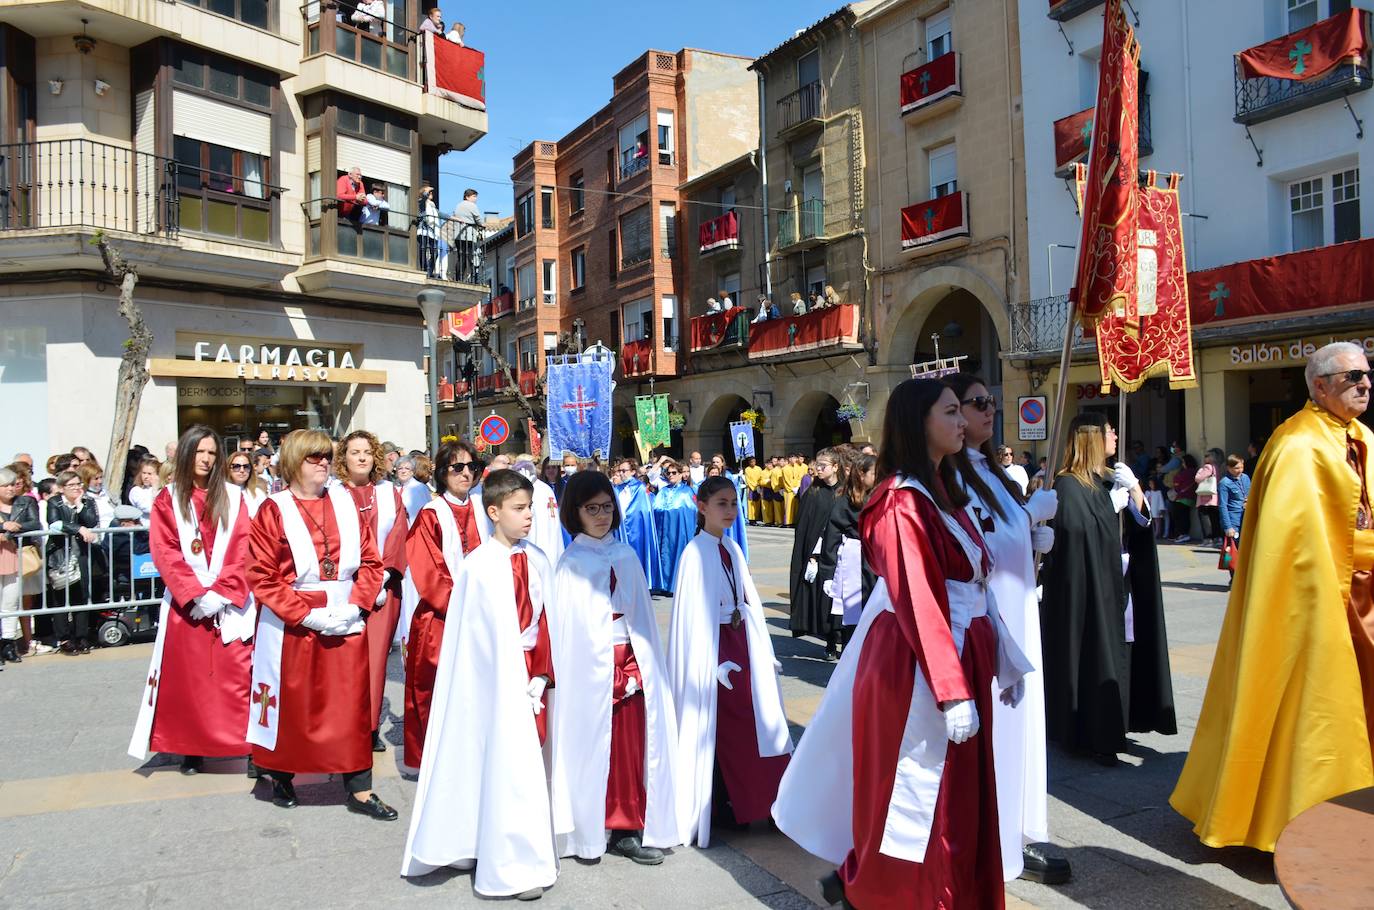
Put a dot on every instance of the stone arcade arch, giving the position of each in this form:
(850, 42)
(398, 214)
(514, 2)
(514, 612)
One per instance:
(811, 424)
(713, 433)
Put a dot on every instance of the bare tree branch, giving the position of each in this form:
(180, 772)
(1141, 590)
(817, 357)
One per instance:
(533, 406)
(133, 365)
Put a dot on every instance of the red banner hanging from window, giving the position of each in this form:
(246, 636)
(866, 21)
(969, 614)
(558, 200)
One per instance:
(462, 324)
(934, 220)
(719, 233)
(1309, 53)
(1161, 344)
(927, 84)
(1337, 276)
(636, 357)
(1072, 137)
(455, 72)
(1106, 276)
(817, 329)
(710, 330)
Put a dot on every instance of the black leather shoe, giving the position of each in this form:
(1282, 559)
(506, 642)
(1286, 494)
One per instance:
(1047, 870)
(373, 807)
(12, 653)
(283, 794)
(192, 764)
(378, 744)
(252, 772)
(632, 848)
(832, 890)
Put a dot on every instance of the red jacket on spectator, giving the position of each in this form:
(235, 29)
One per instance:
(348, 192)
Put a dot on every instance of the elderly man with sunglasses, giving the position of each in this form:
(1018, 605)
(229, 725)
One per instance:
(1288, 720)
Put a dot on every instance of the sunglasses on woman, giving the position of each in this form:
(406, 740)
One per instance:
(473, 466)
(238, 466)
(319, 457)
(981, 402)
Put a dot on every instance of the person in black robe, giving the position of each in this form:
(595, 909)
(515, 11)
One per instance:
(1087, 662)
(810, 606)
(1151, 691)
(844, 525)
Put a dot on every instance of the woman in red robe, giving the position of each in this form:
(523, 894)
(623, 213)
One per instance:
(924, 795)
(445, 530)
(314, 569)
(195, 700)
(361, 467)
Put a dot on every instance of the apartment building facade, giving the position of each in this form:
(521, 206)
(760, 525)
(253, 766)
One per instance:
(1278, 243)
(206, 144)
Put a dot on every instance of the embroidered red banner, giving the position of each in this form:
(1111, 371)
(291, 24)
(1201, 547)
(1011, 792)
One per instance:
(1340, 275)
(818, 329)
(712, 329)
(462, 324)
(455, 72)
(1162, 343)
(636, 357)
(502, 304)
(1308, 53)
(935, 220)
(1072, 136)
(1106, 266)
(927, 84)
(529, 382)
(536, 440)
(719, 233)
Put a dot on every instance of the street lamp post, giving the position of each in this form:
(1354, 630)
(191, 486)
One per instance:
(431, 300)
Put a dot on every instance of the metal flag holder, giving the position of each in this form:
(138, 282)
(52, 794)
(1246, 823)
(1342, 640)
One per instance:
(940, 366)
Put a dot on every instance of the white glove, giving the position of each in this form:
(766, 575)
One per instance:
(207, 605)
(381, 598)
(723, 673)
(535, 690)
(829, 587)
(1120, 497)
(631, 687)
(1012, 695)
(320, 619)
(811, 569)
(1042, 505)
(1042, 538)
(1123, 477)
(961, 721)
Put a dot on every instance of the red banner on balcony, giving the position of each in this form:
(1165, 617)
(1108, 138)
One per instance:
(445, 391)
(1309, 53)
(935, 220)
(455, 72)
(501, 305)
(927, 84)
(719, 233)
(1162, 342)
(462, 324)
(636, 357)
(710, 330)
(1337, 276)
(529, 382)
(1107, 261)
(1072, 137)
(821, 328)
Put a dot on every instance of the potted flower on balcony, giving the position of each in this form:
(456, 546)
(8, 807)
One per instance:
(852, 413)
(754, 418)
(676, 420)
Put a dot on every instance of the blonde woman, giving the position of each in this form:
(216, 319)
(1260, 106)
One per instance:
(241, 475)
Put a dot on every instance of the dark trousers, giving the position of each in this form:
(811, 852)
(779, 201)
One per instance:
(1210, 516)
(354, 781)
(429, 255)
(70, 626)
(1181, 517)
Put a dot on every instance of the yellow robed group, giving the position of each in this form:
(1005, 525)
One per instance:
(1283, 725)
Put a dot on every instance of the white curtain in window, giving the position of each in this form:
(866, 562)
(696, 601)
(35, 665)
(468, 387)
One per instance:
(253, 186)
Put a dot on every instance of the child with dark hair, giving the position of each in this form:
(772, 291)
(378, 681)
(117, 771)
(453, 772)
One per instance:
(483, 795)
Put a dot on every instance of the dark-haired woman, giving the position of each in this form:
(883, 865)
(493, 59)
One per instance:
(912, 689)
(445, 530)
(810, 614)
(1008, 523)
(195, 699)
(846, 579)
(613, 760)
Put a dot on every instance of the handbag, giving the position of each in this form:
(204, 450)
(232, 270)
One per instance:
(1229, 560)
(30, 561)
(66, 573)
(1207, 486)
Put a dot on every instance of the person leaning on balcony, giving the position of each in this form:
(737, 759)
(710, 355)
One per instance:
(351, 197)
(764, 306)
(798, 304)
(433, 21)
(712, 305)
(725, 302)
(376, 203)
(370, 16)
(427, 228)
(456, 33)
(470, 221)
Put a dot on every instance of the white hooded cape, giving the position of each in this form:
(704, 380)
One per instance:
(453, 554)
(546, 532)
(703, 591)
(584, 667)
(483, 794)
(815, 805)
(1018, 734)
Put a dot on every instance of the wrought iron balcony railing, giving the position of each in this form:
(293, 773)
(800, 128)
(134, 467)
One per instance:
(1266, 98)
(382, 45)
(82, 183)
(806, 103)
(805, 222)
(1037, 328)
(440, 246)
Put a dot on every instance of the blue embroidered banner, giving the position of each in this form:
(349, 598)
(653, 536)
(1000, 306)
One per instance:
(579, 403)
(742, 435)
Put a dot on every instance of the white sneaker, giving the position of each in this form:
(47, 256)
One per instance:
(1184, 539)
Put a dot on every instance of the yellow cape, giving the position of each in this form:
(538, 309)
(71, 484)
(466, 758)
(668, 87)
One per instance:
(1283, 722)
(752, 476)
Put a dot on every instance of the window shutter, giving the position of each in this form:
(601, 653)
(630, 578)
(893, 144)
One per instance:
(205, 120)
(312, 154)
(377, 161)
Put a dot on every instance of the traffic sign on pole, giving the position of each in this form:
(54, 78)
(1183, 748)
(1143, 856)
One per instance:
(495, 430)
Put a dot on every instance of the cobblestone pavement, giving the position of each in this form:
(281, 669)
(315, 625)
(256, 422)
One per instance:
(84, 826)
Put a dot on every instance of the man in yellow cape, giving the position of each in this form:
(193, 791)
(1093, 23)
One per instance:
(1287, 719)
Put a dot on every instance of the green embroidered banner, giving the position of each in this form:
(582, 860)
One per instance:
(652, 411)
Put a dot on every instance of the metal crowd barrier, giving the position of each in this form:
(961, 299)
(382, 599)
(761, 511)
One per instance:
(113, 576)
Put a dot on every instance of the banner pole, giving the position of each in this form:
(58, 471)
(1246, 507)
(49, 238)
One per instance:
(1060, 397)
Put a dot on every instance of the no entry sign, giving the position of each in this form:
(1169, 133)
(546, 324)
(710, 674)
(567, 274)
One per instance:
(495, 430)
(1031, 418)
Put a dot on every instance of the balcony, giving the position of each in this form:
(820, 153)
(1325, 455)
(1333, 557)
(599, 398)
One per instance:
(632, 163)
(721, 331)
(1262, 97)
(801, 110)
(831, 329)
(803, 227)
(931, 90)
(936, 224)
(1073, 137)
(501, 305)
(1064, 10)
(529, 382)
(388, 47)
(402, 251)
(719, 234)
(1037, 328)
